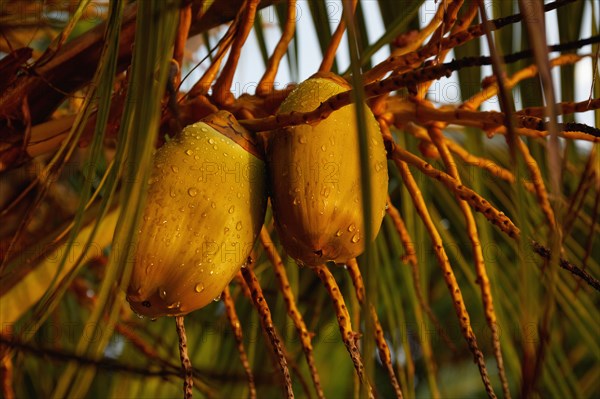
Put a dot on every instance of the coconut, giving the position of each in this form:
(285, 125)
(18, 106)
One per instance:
(315, 173)
(205, 207)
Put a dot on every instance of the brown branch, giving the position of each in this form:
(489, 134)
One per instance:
(565, 264)
(449, 277)
(382, 346)
(292, 309)
(106, 364)
(481, 205)
(435, 132)
(475, 200)
(336, 38)
(221, 90)
(454, 40)
(234, 321)
(267, 324)
(186, 364)
(73, 65)
(343, 318)
(6, 375)
(383, 87)
(265, 85)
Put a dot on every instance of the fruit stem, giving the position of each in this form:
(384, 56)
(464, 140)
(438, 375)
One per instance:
(186, 364)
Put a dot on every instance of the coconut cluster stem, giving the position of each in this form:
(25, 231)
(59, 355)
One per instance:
(267, 323)
(236, 326)
(343, 317)
(382, 346)
(292, 309)
(186, 364)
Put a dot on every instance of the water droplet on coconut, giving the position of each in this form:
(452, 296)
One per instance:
(217, 298)
(162, 293)
(339, 233)
(199, 288)
(172, 192)
(355, 238)
(149, 268)
(213, 205)
(204, 129)
(351, 228)
(188, 152)
(231, 209)
(211, 141)
(192, 191)
(174, 168)
(238, 226)
(323, 148)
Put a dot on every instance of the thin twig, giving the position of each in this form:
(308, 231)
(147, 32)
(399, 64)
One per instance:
(483, 280)
(538, 181)
(267, 324)
(382, 346)
(186, 364)
(449, 277)
(481, 205)
(454, 40)
(565, 264)
(292, 309)
(221, 89)
(234, 321)
(267, 81)
(336, 38)
(6, 375)
(377, 89)
(106, 364)
(343, 318)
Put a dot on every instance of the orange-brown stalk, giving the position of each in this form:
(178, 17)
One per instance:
(221, 89)
(448, 273)
(265, 85)
(292, 309)
(483, 280)
(234, 322)
(343, 317)
(264, 312)
(382, 346)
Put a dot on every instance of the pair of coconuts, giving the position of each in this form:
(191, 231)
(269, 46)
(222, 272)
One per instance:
(208, 193)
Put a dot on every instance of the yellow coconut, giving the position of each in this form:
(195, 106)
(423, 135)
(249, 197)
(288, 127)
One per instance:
(205, 207)
(315, 178)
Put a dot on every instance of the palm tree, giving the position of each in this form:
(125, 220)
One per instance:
(480, 281)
